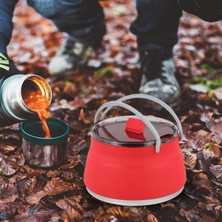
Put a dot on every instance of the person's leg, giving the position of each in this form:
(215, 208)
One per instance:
(156, 24)
(83, 20)
(156, 29)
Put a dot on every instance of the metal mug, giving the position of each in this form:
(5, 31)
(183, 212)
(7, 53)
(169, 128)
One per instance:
(44, 152)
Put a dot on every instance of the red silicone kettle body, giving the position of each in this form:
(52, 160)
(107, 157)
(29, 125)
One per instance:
(132, 161)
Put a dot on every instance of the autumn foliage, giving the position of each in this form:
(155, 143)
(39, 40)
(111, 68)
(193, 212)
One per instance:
(32, 194)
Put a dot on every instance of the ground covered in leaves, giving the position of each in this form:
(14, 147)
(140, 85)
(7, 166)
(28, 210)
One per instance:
(31, 194)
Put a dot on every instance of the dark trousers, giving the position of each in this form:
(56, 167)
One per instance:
(156, 25)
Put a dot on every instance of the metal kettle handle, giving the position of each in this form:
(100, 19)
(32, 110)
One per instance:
(150, 126)
(158, 101)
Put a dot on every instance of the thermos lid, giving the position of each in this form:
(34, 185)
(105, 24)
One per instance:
(132, 132)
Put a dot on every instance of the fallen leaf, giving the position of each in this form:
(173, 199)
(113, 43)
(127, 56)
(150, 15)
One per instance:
(36, 197)
(190, 159)
(199, 88)
(218, 93)
(57, 186)
(217, 172)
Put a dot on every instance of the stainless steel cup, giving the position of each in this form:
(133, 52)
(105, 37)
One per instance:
(44, 152)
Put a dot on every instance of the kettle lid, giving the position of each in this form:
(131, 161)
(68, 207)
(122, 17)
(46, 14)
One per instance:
(131, 131)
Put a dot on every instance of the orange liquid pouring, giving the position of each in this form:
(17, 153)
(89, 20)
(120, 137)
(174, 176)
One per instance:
(39, 103)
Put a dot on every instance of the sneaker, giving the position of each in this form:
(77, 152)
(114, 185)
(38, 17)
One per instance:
(157, 69)
(69, 57)
(73, 53)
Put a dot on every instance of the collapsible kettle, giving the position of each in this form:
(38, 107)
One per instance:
(135, 160)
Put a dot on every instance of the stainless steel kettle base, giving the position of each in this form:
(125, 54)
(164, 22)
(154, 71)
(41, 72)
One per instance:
(135, 202)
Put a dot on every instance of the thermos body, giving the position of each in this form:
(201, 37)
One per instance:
(12, 94)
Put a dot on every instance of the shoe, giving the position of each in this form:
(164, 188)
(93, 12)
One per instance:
(158, 80)
(73, 53)
(69, 57)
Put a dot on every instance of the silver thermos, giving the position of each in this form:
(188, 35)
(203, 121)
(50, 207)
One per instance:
(13, 93)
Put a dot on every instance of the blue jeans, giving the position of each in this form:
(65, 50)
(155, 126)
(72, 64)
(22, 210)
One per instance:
(156, 25)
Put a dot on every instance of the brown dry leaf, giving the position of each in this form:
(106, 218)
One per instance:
(23, 186)
(41, 211)
(32, 185)
(82, 117)
(207, 119)
(63, 104)
(211, 202)
(151, 218)
(36, 197)
(201, 181)
(8, 193)
(192, 216)
(202, 133)
(53, 173)
(216, 125)
(7, 211)
(72, 163)
(36, 173)
(208, 154)
(218, 93)
(19, 159)
(218, 210)
(71, 207)
(57, 186)
(117, 211)
(55, 218)
(68, 175)
(7, 148)
(190, 159)
(211, 151)
(217, 172)
(66, 217)
(70, 89)
(168, 204)
(26, 218)
(37, 184)
(8, 167)
(100, 214)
